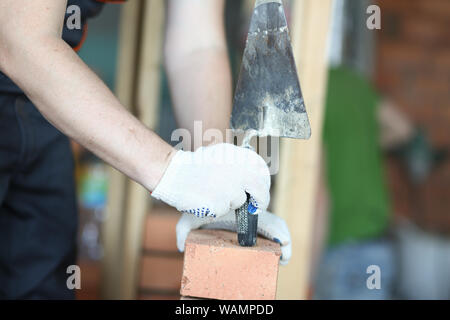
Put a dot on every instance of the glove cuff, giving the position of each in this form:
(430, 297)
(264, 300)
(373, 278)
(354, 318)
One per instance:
(163, 190)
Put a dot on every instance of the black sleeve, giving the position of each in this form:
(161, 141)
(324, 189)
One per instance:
(89, 9)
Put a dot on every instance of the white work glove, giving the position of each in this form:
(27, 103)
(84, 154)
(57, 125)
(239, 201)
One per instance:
(270, 226)
(214, 180)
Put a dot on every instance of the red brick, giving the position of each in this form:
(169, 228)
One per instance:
(161, 273)
(431, 85)
(160, 230)
(442, 59)
(425, 30)
(399, 5)
(439, 134)
(398, 187)
(216, 267)
(435, 201)
(435, 8)
(90, 280)
(402, 53)
(413, 64)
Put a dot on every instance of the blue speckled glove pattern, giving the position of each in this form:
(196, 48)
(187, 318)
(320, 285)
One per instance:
(270, 226)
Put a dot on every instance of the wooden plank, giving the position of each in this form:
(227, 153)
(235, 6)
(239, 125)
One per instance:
(112, 226)
(147, 105)
(297, 180)
(128, 52)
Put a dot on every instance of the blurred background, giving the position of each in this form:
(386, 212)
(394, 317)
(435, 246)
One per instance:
(384, 191)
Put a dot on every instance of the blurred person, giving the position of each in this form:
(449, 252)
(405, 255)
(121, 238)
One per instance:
(48, 93)
(357, 122)
(423, 253)
(414, 262)
(357, 227)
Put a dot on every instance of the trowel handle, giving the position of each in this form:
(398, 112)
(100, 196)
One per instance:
(247, 224)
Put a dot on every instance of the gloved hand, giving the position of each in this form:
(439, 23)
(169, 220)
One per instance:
(270, 226)
(214, 180)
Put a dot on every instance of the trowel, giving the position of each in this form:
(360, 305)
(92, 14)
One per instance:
(268, 100)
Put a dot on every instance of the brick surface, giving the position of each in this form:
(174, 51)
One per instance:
(161, 264)
(425, 30)
(216, 267)
(90, 280)
(412, 69)
(439, 9)
(161, 273)
(160, 230)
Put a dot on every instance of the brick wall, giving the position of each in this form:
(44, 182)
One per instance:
(413, 69)
(161, 264)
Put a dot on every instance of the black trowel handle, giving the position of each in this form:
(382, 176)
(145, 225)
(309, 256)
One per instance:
(247, 224)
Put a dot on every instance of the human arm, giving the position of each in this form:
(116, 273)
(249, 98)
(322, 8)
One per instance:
(200, 79)
(77, 102)
(70, 95)
(395, 127)
(197, 64)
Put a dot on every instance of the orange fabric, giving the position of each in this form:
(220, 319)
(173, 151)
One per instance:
(83, 39)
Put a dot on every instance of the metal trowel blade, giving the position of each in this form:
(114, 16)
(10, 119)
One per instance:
(268, 98)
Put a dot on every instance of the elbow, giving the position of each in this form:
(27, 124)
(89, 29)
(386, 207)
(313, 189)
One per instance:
(4, 54)
(16, 50)
(12, 43)
(12, 47)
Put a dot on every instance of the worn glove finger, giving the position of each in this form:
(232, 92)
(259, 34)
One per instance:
(286, 252)
(275, 229)
(270, 226)
(239, 199)
(187, 223)
(257, 184)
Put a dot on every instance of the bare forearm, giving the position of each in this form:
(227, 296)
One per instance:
(201, 90)
(197, 64)
(77, 102)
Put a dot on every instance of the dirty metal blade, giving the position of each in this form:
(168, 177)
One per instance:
(268, 98)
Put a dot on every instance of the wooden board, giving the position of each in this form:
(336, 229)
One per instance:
(147, 108)
(112, 226)
(297, 181)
